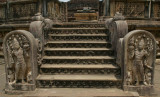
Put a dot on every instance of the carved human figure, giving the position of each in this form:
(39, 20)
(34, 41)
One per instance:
(20, 65)
(140, 55)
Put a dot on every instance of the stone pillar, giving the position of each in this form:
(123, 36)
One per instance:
(20, 52)
(139, 62)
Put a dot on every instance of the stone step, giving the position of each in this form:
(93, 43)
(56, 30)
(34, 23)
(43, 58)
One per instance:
(80, 69)
(78, 28)
(77, 37)
(78, 59)
(61, 35)
(80, 92)
(78, 44)
(78, 81)
(78, 31)
(78, 52)
(79, 25)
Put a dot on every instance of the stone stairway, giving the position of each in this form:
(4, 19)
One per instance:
(79, 56)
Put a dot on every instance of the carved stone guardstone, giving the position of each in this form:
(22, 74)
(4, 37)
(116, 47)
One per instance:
(20, 51)
(139, 61)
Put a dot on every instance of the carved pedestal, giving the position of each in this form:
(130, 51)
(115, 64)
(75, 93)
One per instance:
(20, 51)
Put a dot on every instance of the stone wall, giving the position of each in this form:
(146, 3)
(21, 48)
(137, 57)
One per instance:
(130, 8)
(133, 9)
(74, 5)
(24, 10)
(2, 12)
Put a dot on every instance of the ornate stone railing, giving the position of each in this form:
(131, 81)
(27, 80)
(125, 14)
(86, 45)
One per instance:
(39, 28)
(20, 51)
(118, 28)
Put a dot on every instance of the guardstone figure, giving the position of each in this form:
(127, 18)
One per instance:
(139, 61)
(20, 64)
(139, 57)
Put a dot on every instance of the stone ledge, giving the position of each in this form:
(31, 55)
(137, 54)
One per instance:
(81, 92)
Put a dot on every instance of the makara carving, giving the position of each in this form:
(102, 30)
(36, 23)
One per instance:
(118, 28)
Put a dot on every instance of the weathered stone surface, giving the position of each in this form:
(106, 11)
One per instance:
(20, 51)
(118, 28)
(139, 61)
(120, 52)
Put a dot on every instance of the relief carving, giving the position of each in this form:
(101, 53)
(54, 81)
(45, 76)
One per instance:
(131, 9)
(156, 11)
(139, 59)
(22, 10)
(19, 61)
(139, 50)
(19, 51)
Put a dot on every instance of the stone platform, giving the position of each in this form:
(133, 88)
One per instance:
(81, 92)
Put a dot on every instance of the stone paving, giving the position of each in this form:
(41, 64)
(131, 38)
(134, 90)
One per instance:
(2, 82)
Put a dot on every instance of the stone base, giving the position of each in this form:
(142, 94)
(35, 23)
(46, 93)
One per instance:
(142, 90)
(80, 92)
(19, 88)
(15, 92)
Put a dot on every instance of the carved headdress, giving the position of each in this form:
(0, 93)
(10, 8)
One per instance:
(16, 44)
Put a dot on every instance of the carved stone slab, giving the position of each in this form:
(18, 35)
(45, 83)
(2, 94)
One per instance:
(119, 50)
(20, 51)
(139, 61)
